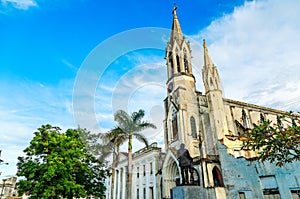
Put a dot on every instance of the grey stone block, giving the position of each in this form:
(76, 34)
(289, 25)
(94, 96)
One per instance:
(187, 192)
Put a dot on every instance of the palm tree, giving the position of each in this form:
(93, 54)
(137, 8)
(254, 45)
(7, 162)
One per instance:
(129, 126)
(112, 141)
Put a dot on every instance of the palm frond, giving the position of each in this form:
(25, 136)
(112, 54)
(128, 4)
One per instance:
(144, 125)
(106, 151)
(140, 137)
(111, 135)
(123, 120)
(112, 141)
(137, 116)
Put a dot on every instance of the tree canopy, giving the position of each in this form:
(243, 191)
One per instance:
(277, 142)
(59, 165)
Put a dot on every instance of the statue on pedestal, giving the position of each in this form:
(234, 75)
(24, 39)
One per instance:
(185, 163)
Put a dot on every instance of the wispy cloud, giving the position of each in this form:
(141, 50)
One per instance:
(20, 4)
(254, 48)
(70, 65)
(257, 52)
(126, 89)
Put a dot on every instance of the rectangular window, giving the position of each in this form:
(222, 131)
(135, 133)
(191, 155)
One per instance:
(242, 195)
(270, 187)
(150, 192)
(137, 193)
(245, 194)
(137, 172)
(144, 193)
(295, 194)
(144, 170)
(151, 172)
(271, 194)
(268, 182)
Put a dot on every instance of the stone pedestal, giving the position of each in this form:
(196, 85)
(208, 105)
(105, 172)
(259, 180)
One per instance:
(188, 192)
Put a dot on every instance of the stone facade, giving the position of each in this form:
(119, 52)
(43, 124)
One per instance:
(8, 187)
(212, 129)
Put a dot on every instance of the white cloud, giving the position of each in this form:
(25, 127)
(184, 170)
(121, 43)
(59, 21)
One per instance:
(257, 52)
(256, 49)
(20, 4)
(139, 85)
(24, 107)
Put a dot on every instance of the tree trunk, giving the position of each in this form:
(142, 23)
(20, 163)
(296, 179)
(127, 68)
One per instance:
(129, 180)
(112, 182)
(116, 158)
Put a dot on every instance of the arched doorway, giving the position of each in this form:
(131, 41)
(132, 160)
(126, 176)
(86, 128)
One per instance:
(170, 174)
(218, 178)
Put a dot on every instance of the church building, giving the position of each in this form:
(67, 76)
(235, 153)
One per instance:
(211, 128)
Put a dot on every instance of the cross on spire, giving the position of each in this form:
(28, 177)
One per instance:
(176, 29)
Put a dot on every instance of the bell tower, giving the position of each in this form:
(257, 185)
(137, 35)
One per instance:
(178, 53)
(181, 116)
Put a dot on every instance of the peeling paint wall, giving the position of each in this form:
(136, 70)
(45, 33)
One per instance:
(253, 178)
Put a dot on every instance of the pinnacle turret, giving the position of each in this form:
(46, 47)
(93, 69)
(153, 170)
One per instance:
(210, 73)
(207, 60)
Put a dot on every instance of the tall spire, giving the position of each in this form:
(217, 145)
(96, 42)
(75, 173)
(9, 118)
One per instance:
(178, 52)
(210, 73)
(207, 59)
(176, 29)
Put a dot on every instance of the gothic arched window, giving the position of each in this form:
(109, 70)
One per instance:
(193, 127)
(211, 84)
(218, 179)
(293, 121)
(186, 64)
(178, 63)
(245, 120)
(174, 124)
(216, 82)
(279, 122)
(262, 118)
(171, 63)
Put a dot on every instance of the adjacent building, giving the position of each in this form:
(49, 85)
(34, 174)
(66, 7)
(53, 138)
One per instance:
(8, 187)
(146, 174)
(212, 129)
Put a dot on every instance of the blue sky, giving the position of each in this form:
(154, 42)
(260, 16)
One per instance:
(46, 46)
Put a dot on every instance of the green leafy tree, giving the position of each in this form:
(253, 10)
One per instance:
(58, 165)
(92, 141)
(129, 126)
(278, 143)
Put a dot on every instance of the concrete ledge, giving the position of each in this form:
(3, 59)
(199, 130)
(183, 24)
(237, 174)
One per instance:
(187, 192)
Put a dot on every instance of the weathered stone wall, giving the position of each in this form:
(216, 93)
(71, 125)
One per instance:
(252, 178)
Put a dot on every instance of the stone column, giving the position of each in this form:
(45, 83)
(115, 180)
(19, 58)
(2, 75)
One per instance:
(119, 180)
(124, 183)
(174, 63)
(155, 183)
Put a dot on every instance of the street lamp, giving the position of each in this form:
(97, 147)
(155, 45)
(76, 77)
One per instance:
(1, 163)
(4, 163)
